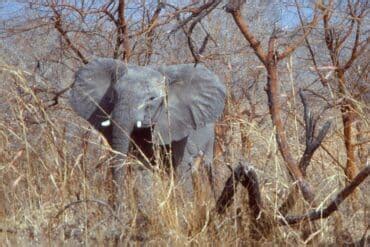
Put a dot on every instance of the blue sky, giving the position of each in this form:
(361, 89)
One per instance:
(288, 18)
(9, 8)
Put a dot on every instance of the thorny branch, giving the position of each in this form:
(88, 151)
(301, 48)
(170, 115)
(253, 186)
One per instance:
(244, 29)
(306, 31)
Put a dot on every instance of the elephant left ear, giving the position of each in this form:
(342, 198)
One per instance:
(196, 97)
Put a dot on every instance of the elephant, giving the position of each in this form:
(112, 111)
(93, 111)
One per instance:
(173, 106)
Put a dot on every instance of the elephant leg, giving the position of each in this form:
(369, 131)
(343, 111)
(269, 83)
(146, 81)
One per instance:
(208, 135)
(209, 164)
(200, 141)
(116, 194)
(178, 151)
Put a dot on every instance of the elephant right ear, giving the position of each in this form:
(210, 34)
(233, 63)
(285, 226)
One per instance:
(92, 92)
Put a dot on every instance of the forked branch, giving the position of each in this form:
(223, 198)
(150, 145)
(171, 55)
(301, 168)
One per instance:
(245, 175)
(234, 10)
(59, 27)
(195, 19)
(197, 14)
(312, 142)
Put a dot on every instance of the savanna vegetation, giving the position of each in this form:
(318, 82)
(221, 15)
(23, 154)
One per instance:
(291, 159)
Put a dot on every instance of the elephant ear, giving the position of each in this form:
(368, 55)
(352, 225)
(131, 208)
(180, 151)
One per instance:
(196, 97)
(92, 92)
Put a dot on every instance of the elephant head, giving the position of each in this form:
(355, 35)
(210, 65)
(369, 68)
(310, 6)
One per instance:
(171, 100)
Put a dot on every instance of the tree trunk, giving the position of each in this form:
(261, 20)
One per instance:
(122, 34)
(348, 118)
(273, 93)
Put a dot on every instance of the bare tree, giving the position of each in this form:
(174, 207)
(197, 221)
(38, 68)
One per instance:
(270, 59)
(345, 42)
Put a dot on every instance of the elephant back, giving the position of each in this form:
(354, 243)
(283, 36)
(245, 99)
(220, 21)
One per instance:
(92, 92)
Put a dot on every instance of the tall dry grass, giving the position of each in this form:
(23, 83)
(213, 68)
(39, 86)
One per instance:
(54, 172)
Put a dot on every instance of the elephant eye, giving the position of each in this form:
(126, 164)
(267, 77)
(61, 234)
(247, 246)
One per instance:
(146, 103)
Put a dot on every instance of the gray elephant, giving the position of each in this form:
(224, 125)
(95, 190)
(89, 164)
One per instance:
(174, 106)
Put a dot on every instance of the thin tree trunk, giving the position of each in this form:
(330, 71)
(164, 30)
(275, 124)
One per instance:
(273, 92)
(122, 34)
(348, 118)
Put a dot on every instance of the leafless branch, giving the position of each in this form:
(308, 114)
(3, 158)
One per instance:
(201, 13)
(58, 26)
(308, 45)
(312, 142)
(306, 31)
(244, 29)
(197, 14)
(333, 205)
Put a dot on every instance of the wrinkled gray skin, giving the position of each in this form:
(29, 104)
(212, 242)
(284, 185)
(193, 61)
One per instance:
(179, 103)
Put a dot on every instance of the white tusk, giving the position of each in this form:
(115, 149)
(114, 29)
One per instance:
(105, 123)
(138, 124)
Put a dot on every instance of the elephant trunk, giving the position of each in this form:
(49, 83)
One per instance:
(120, 141)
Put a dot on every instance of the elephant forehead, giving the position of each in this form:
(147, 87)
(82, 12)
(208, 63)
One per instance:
(140, 80)
(143, 74)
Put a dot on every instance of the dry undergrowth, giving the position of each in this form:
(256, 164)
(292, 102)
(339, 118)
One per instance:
(54, 182)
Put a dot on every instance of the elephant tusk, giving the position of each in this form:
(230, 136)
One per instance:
(105, 123)
(138, 124)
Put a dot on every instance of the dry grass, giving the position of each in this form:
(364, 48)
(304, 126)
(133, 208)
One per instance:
(54, 176)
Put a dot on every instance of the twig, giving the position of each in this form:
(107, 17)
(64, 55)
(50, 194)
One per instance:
(55, 99)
